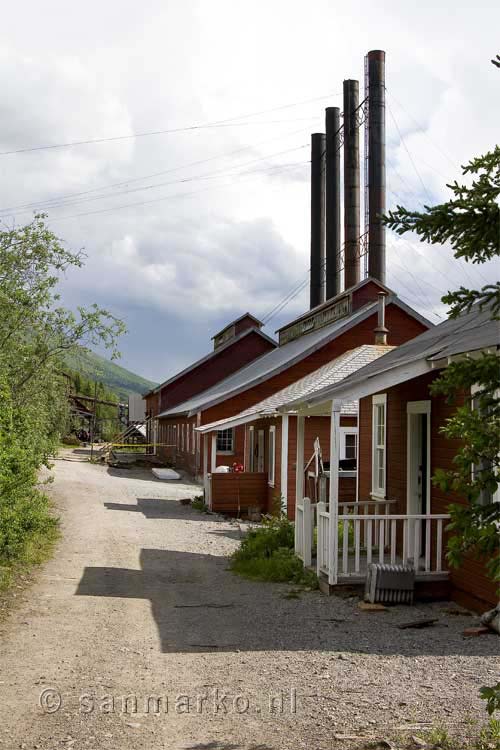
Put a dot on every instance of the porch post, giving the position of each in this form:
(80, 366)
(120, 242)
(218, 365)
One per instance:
(284, 461)
(213, 457)
(299, 469)
(205, 465)
(333, 542)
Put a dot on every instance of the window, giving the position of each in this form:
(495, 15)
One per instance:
(225, 441)
(348, 444)
(251, 449)
(272, 456)
(379, 418)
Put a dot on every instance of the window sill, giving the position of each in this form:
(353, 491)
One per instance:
(225, 453)
(378, 496)
(270, 484)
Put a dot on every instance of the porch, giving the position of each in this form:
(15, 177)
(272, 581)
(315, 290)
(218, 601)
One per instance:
(341, 545)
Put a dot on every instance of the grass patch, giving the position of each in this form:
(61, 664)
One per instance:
(266, 554)
(28, 533)
(486, 737)
(198, 503)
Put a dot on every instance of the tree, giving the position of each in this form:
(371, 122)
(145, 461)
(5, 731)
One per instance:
(470, 222)
(36, 331)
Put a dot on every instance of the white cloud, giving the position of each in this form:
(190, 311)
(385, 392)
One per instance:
(218, 245)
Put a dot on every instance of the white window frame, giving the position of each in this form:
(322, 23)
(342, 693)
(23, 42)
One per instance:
(344, 431)
(271, 469)
(251, 449)
(379, 492)
(226, 452)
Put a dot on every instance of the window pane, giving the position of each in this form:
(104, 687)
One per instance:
(351, 445)
(225, 440)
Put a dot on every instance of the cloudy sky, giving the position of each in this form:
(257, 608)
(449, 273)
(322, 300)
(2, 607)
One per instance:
(186, 229)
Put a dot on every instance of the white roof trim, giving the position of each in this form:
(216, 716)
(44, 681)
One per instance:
(225, 424)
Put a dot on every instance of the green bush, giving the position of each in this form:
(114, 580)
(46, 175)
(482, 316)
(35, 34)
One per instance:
(266, 554)
(70, 440)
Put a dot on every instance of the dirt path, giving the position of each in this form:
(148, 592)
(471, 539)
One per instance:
(137, 602)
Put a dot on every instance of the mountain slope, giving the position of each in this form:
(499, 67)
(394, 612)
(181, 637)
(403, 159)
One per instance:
(117, 378)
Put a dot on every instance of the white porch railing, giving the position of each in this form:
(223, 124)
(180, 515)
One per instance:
(384, 538)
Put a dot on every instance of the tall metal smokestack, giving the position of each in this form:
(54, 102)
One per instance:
(333, 241)
(376, 164)
(317, 217)
(351, 184)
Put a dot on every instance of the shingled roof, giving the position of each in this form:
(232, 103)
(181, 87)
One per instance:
(330, 373)
(277, 360)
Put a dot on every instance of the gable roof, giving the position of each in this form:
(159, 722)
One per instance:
(330, 373)
(258, 323)
(471, 332)
(214, 353)
(278, 360)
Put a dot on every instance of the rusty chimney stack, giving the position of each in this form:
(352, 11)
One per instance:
(381, 331)
(318, 170)
(351, 184)
(333, 238)
(376, 164)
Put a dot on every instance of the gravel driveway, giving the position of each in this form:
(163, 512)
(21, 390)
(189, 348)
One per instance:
(135, 635)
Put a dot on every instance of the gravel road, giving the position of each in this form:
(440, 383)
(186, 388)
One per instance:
(137, 612)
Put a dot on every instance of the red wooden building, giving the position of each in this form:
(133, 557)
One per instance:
(311, 341)
(234, 346)
(400, 448)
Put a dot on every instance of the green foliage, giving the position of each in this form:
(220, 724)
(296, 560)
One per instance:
(476, 472)
(35, 332)
(198, 503)
(492, 697)
(266, 554)
(470, 222)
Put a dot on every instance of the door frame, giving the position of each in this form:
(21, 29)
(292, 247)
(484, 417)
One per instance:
(415, 408)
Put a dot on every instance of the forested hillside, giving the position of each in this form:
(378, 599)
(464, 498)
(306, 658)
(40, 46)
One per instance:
(118, 379)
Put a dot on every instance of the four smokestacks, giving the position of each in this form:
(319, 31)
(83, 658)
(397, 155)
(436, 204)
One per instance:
(326, 245)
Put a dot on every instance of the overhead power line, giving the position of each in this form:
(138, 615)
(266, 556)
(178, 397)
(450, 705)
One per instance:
(231, 121)
(41, 204)
(220, 173)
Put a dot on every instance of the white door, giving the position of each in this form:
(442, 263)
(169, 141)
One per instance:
(260, 451)
(418, 472)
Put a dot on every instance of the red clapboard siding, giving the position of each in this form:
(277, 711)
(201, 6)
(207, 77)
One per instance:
(470, 579)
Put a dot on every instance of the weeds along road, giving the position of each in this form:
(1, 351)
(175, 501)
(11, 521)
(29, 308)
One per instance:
(135, 635)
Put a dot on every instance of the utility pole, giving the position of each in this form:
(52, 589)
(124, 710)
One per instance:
(93, 424)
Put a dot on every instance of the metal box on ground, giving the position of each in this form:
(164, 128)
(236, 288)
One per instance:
(390, 583)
